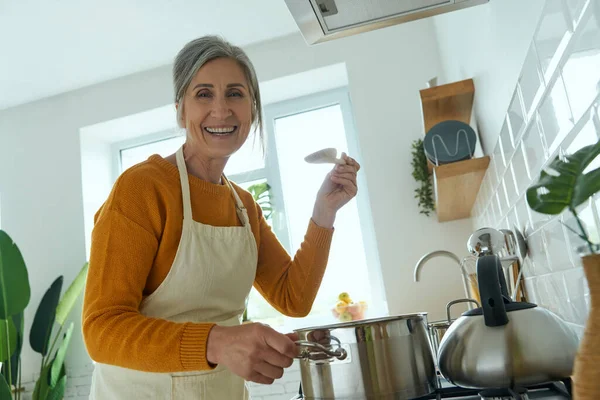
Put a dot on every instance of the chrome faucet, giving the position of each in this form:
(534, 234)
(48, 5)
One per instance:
(450, 255)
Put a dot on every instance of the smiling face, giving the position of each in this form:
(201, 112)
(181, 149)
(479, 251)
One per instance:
(217, 109)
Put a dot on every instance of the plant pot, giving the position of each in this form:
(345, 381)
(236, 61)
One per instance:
(586, 378)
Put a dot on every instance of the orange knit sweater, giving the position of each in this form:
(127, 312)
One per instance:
(134, 242)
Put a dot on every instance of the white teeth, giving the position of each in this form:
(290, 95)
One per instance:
(221, 130)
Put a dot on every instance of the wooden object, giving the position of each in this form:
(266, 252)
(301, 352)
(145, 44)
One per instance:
(453, 101)
(456, 186)
(586, 377)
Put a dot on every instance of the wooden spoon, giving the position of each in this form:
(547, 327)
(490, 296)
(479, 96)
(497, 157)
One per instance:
(325, 156)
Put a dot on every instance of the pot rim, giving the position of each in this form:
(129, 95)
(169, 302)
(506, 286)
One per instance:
(362, 322)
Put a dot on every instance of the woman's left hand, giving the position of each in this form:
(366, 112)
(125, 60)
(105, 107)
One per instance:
(338, 188)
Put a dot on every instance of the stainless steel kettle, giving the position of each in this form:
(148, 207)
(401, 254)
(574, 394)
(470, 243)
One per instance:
(505, 344)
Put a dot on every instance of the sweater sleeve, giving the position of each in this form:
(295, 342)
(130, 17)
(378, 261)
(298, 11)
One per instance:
(114, 330)
(291, 285)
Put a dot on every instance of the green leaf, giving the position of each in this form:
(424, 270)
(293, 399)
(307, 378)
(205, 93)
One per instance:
(262, 197)
(590, 184)
(567, 186)
(4, 389)
(42, 386)
(57, 392)
(258, 189)
(14, 280)
(39, 336)
(8, 339)
(57, 364)
(15, 360)
(70, 297)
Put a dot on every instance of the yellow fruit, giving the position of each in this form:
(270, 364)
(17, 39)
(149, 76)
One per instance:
(345, 317)
(345, 297)
(340, 307)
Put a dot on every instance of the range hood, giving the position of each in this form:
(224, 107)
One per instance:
(322, 20)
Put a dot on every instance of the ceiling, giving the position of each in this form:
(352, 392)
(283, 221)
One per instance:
(49, 47)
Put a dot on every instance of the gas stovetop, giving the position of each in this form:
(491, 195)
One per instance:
(549, 391)
(560, 390)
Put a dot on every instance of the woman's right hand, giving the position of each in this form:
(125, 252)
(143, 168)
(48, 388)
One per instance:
(254, 351)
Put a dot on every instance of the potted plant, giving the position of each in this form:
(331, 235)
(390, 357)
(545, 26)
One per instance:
(424, 193)
(52, 311)
(566, 185)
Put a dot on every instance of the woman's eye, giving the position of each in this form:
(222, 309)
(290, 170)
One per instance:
(235, 94)
(203, 94)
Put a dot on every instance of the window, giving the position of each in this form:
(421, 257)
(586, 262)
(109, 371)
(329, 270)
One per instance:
(246, 159)
(293, 130)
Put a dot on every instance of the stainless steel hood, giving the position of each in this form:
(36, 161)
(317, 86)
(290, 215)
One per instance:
(322, 20)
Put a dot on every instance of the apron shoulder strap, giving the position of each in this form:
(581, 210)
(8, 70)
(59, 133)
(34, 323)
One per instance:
(185, 185)
(239, 205)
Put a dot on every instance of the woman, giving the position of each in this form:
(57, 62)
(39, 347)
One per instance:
(177, 247)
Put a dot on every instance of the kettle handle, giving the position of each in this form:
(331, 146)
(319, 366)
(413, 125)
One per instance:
(489, 271)
(502, 278)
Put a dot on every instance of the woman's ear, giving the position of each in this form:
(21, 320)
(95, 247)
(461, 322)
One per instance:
(180, 114)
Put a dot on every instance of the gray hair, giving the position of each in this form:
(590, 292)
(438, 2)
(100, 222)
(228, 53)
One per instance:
(202, 50)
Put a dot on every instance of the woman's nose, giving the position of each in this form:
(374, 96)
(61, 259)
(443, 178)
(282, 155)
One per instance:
(220, 109)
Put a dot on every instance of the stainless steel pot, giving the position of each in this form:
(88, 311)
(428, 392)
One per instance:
(378, 359)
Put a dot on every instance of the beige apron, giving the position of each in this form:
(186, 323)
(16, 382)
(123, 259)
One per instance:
(209, 281)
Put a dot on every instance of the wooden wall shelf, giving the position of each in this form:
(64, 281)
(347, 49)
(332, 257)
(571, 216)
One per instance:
(456, 186)
(451, 101)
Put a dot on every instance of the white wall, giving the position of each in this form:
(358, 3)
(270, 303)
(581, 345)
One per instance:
(488, 43)
(40, 168)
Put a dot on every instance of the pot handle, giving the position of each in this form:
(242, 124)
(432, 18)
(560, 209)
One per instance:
(492, 302)
(453, 302)
(339, 353)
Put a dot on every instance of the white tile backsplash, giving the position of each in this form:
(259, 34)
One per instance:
(534, 149)
(558, 251)
(555, 114)
(531, 81)
(509, 186)
(520, 171)
(538, 255)
(586, 136)
(541, 123)
(522, 211)
(581, 71)
(501, 201)
(587, 219)
(516, 122)
(576, 8)
(513, 219)
(552, 34)
(492, 176)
